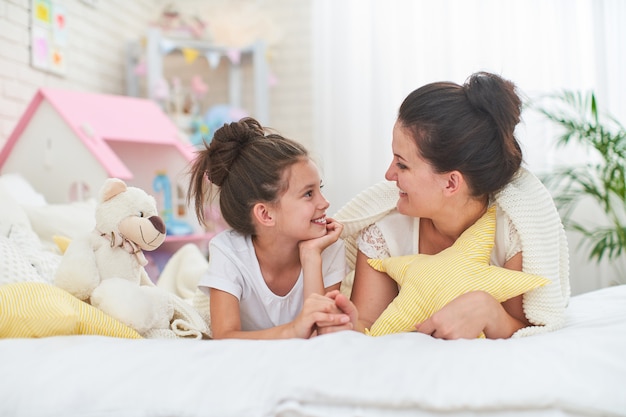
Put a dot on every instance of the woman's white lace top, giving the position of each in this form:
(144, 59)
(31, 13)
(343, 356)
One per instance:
(373, 244)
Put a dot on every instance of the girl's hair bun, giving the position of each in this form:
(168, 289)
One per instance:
(227, 144)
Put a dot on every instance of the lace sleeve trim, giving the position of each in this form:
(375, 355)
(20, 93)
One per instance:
(515, 243)
(372, 243)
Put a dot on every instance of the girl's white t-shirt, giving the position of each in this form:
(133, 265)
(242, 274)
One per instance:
(234, 268)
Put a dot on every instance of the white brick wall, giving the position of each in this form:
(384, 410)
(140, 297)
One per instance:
(97, 38)
(290, 61)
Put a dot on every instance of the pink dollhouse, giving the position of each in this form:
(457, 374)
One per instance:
(68, 142)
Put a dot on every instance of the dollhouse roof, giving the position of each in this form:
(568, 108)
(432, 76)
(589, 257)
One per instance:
(100, 118)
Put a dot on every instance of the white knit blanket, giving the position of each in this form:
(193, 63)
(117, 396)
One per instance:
(178, 280)
(531, 209)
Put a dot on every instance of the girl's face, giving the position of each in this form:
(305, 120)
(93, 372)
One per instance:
(421, 188)
(301, 211)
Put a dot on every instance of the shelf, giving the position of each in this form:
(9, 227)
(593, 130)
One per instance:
(157, 46)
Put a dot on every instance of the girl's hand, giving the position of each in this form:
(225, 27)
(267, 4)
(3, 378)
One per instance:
(343, 305)
(318, 310)
(317, 245)
(311, 257)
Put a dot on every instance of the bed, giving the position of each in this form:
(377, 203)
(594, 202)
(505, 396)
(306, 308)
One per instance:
(577, 370)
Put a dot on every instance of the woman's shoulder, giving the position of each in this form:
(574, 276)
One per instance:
(396, 225)
(393, 235)
(394, 219)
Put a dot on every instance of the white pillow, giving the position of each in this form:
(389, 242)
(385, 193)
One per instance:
(21, 190)
(70, 220)
(11, 213)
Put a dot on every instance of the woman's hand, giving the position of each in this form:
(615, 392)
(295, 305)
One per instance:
(465, 317)
(469, 315)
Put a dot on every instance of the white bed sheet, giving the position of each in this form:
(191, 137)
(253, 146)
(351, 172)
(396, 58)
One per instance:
(579, 370)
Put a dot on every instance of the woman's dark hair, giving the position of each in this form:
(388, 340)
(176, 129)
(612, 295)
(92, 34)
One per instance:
(244, 164)
(469, 128)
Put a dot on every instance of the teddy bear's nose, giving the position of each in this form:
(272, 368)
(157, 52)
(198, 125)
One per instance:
(158, 223)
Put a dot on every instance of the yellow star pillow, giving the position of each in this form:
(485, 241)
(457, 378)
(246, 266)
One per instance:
(429, 282)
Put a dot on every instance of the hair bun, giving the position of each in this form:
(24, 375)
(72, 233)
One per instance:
(240, 132)
(227, 144)
(496, 97)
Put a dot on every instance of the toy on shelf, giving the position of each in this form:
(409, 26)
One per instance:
(174, 226)
(146, 72)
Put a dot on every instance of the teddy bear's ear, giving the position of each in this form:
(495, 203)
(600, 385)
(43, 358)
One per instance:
(111, 188)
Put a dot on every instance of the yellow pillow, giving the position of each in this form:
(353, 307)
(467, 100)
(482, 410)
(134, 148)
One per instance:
(36, 309)
(429, 282)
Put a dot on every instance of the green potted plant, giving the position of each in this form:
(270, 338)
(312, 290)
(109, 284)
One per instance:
(602, 179)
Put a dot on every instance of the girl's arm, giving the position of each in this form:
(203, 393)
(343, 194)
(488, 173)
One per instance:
(311, 259)
(226, 321)
(372, 292)
(470, 314)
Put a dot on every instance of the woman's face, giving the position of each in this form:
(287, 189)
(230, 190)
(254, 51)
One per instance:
(421, 188)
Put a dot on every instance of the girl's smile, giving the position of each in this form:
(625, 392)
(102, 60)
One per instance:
(321, 220)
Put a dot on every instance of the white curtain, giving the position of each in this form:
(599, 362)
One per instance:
(369, 54)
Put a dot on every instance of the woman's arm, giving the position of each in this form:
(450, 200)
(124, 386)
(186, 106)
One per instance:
(514, 319)
(470, 314)
(226, 320)
(372, 291)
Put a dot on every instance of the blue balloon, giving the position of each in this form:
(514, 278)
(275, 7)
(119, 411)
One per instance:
(221, 114)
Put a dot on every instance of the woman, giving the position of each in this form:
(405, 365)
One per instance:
(455, 153)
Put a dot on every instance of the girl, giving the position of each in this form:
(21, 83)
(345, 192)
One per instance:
(268, 274)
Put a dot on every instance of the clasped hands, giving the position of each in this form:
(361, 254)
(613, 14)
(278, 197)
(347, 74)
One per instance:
(461, 318)
(328, 313)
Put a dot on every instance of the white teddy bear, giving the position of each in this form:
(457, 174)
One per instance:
(106, 267)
